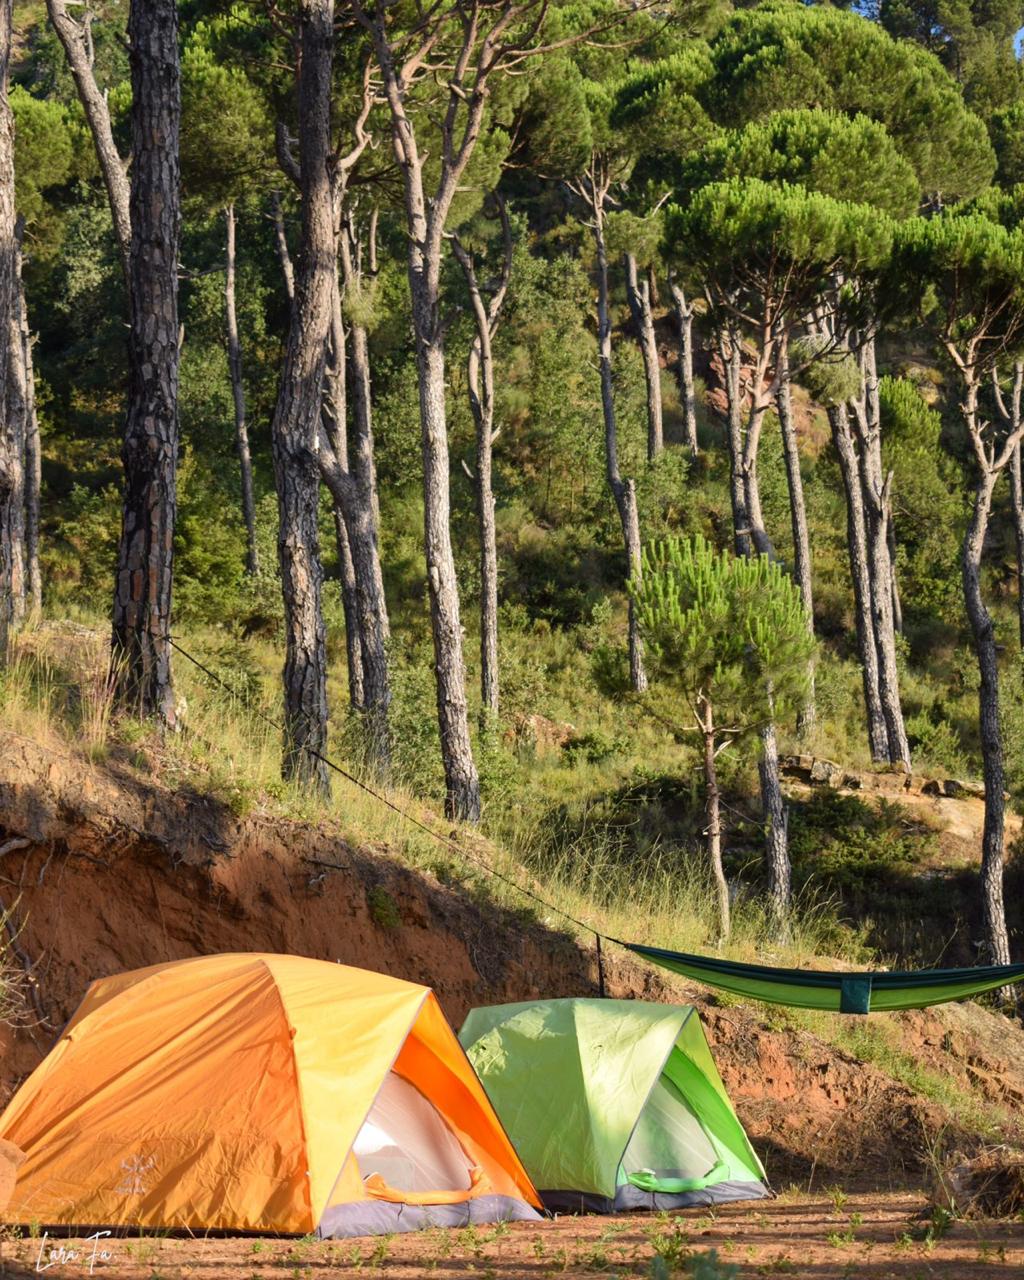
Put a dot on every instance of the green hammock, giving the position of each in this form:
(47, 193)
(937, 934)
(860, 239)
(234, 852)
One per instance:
(840, 992)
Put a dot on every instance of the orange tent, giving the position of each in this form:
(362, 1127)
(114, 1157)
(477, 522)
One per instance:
(260, 1093)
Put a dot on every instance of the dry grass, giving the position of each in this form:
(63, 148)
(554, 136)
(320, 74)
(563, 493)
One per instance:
(57, 690)
(991, 1185)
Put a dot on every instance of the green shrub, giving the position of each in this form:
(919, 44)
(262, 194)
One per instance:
(383, 908)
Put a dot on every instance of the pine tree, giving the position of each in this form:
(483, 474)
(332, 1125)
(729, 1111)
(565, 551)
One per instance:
(728, 637)
(970, 272)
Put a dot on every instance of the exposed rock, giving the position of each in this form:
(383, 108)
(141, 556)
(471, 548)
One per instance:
(826, 773)
(540, 733)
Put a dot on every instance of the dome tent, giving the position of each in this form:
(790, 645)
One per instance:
(613, 1104)
(260, 1093)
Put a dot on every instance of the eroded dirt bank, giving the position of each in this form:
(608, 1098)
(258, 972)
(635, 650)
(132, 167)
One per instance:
(105, 870)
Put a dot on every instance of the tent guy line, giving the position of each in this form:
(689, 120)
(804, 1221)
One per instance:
(855, 992)
(445, 841)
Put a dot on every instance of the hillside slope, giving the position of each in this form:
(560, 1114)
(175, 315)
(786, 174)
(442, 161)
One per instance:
(103, 869)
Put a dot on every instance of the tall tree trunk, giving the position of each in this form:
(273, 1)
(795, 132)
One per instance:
(638, 292)
(8, 445)
(480, 377)
(983, 633)
(18, 408)
(252, 561)
(751, 538)
(32, 456)
(623, 491)
(713, 817)
(282, 245)
(684, 320)
(797, 516)
(856, 542)
(480, 374)
(295, 426)
(897, 603)
(425, 224)
(76, 39)
(362, 514)
(775, 827)
(1017, 495)
(1011, 415)
(141, 651)
(335, 423)
(876, 488)
(731, 356)
(760, 399)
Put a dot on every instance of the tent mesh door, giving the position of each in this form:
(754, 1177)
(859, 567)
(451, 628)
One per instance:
(406, 1141)
(669, 1140)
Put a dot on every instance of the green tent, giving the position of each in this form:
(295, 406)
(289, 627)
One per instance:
(613, 1104)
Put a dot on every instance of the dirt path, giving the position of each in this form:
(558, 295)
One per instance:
(874, 1236)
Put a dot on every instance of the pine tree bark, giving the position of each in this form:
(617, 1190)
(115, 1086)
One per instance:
(283, 253)
(18, 409)
(335, 420)
(856, 541)
(731, 356)
(1011, 415)
(141, 651)
(8, 445)
(797, 516)
(32, 453)
(897, 603)
(687, 397)
(296, 421)
(638, 293)
(761, 396)
(983, 633)
(425, 225)
(360, 507)
(252, 561)
(1017, 492)
(751, 538)
(76, 39)
(713, 817)
(992, 457)
(480, 378)
(623, 491)
(773, 812)
(876, 488)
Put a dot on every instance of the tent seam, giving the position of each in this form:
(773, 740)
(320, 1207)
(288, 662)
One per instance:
(647, 1097)
(298, 1088)
(391, 1066)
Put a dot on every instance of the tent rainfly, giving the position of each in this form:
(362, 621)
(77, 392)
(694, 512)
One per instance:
(260, 1093)
(613, 1104)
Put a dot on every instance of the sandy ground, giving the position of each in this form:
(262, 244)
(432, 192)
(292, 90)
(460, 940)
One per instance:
(874, 1236)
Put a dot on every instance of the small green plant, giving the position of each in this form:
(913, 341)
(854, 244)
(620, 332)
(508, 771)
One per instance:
(383, 908)
(838, 1197)
(381, 1249)
(672, 1245)
(708, 1266)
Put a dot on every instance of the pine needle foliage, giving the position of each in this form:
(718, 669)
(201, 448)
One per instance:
(729, 630)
